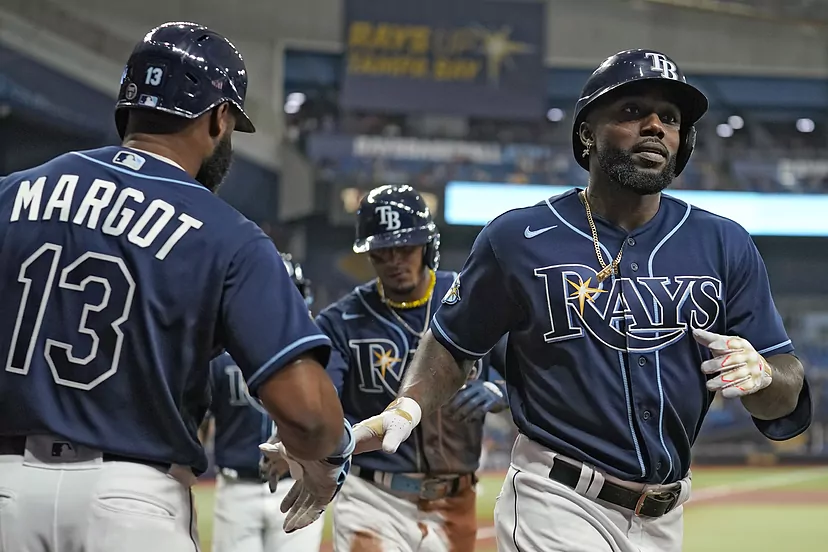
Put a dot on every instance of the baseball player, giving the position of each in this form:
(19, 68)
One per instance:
(422, 499)
(247, 516)
(626, 310)
(121, 277)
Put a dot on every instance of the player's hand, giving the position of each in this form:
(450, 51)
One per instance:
(475, 399)
(272, 465)
(317, 482)
(388, 429)
(740, 369)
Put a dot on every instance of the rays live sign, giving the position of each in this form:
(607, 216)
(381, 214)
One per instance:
(481, 58)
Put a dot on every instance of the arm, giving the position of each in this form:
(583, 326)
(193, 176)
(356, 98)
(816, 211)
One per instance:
(780, 397)
(434, 375)
(266, 329)
(774, 388)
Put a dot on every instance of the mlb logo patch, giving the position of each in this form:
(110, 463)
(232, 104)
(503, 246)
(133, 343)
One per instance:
(147, 100)
(62, 449)
(129, 160)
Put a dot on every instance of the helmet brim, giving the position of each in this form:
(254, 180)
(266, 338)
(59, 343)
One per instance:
(397, 238)
(692, 104)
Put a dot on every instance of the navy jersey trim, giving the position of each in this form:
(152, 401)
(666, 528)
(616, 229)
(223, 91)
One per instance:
(775, 347)
(655, 250)
(627, 389)
(317, 340)
(572, 227)
(445, 336)
(139, 175)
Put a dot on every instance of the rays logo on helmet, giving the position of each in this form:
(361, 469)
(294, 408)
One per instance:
(452, 296)
(663, 65)
(389, 217)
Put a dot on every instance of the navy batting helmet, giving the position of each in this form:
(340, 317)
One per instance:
(392, 216)
(638, 66)
(184, 69)
(297, 274)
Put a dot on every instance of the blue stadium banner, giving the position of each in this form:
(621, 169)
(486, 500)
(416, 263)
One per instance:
(480, 58)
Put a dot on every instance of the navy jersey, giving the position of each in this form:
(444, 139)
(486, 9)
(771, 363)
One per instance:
(121, 277)
(241, 422)
(608, 372)
(371, 350)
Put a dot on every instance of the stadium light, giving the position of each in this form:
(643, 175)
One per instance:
(724, 130)
(555, 114)
(805, 125)
(296, 97)
(735, 122)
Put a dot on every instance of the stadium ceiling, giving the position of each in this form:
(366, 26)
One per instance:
(806, 12)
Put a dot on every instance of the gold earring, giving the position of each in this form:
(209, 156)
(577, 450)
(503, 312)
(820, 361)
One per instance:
(587, 147)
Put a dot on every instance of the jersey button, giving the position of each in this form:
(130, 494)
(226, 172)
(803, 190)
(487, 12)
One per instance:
(646, 415)
(658, 466)
(631, 241)
(642, 361)
(634, 266)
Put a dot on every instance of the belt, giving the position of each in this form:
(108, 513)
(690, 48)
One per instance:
(428, 488)
(16, 445)
(647, 504)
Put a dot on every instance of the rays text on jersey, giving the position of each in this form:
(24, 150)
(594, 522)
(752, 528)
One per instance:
(641, 314)
(106, 207)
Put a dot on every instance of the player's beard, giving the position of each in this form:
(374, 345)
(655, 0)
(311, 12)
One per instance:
(213, 169)
(618, 164)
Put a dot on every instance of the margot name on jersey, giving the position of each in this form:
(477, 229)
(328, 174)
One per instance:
(144, 228)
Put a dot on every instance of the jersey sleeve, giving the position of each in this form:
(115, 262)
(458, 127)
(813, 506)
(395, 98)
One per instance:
(752, 314)
(751, 311)
(337, 366)
(478, 309)
(265, 320)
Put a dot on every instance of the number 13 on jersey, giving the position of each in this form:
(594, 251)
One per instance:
(75, 320)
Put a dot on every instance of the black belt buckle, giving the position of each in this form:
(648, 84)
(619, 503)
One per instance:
(433, 489)
(664, 501)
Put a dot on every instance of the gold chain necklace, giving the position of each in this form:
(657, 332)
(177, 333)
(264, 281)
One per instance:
(409, 328)
(409, 304)
(606, 270)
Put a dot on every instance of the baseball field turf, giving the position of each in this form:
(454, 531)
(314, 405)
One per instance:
(732, 509)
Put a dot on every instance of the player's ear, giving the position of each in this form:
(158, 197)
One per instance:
(585, 134)
(222, 120)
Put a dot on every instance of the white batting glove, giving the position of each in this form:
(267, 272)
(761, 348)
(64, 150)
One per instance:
(273, 464)
(741, 370)
(389, 428)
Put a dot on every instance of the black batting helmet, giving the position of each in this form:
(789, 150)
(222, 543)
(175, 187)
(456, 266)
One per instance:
(184, 69)
(392, 216)
(638, 66)
(297, 274)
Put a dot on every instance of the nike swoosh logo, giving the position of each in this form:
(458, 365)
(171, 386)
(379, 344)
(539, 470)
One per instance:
(349, 316)
(532, 233)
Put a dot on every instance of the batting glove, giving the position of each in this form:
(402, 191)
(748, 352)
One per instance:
(273, 466)
(475, 399)
(388, 429)
(741, 370)
(317, 482)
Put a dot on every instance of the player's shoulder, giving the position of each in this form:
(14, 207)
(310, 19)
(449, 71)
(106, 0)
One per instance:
(706, 223)
(349, 304)
(524, 221)
(445, 276)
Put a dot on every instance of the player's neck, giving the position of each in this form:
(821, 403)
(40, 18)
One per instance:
(158, 145)
(621, 207)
